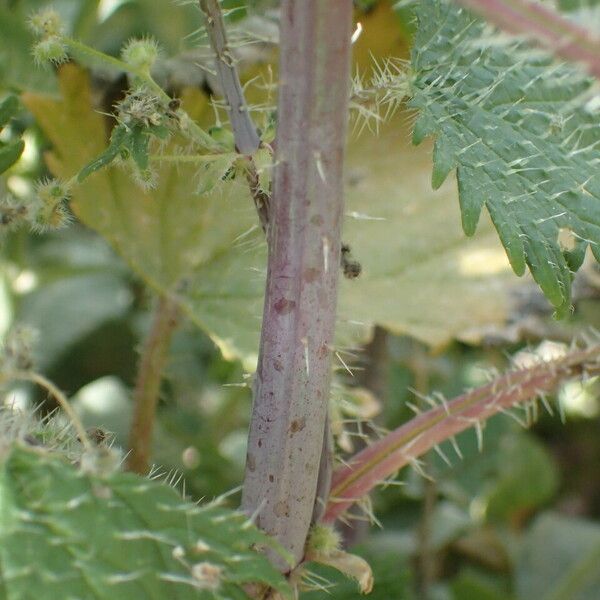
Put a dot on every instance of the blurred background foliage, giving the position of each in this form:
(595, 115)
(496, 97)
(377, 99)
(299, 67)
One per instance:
(518, 519)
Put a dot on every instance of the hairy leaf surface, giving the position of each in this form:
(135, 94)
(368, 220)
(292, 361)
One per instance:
(523, 133)
(66, 534)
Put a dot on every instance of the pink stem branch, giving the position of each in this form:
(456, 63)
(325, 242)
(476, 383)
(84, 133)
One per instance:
(382, 459)
(544, 26)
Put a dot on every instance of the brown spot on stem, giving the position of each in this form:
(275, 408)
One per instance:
(283, 306)
(282, 509)
(297, 425)
(311, 274)
(316, 220)
(323, 351)
(277, 365)
(251, 462)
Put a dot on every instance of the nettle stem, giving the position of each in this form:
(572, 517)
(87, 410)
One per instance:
(380, 460)
(147, 387)
(293, 376)
(544, 26)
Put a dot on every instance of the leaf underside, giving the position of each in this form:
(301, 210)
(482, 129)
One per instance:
(523, 134)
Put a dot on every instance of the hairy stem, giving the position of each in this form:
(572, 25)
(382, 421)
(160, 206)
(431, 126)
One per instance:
(147, 386)
(188, 126)
(383, 458)
(287, 429)
(244, 131)
(544, 26)
(60, 398)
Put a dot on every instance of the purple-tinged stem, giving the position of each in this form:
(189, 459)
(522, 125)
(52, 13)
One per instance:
(382, 459)
(544, 26)
(293, 376)
(244, 131)
(246, 137)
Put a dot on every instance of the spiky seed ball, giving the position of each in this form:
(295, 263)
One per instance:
(322, 541)
(141, 54)
(50, 50)
(46, 22)
(50, 209)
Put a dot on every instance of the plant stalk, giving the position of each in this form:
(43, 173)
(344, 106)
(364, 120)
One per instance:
(244, 131)
(382, 459)
(145, 397)
(544, 26)
(291, 392)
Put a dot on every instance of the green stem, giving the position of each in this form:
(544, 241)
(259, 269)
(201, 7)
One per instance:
(147, 387)
(188, 126)
(58, 396)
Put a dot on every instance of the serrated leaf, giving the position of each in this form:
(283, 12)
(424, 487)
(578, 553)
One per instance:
(10, 154)
(67, 534)
(523, 132)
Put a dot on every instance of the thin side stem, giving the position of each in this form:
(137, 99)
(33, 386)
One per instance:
(188, 126)
(62, 400)
(147, 387)
(244, 130)
(291, 394)
(245, 134)
(544, 26)
(385, 457)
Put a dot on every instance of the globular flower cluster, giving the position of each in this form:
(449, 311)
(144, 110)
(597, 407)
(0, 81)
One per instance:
(142, 108)
(141, 54)
(47, 25)
(49, 210)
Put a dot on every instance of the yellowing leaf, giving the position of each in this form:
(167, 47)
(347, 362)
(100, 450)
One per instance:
(189, 245)
(421, 276)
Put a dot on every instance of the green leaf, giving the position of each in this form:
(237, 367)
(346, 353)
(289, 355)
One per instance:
(8, 109)
(139, 147)
(79, 303)
(559, 560)
(477, 586)
(118, 141)
(68, 534)
(10, 153)
(523, 133)
(527, 477)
